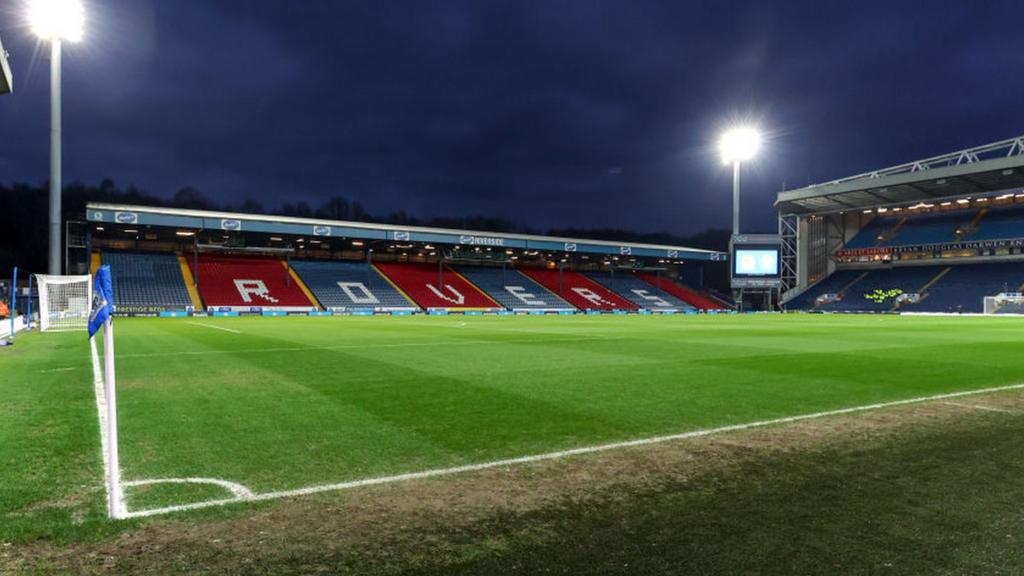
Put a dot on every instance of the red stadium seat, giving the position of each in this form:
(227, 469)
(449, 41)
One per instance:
(420, 282)
(688, 295)
(247, 281)
(578, 290)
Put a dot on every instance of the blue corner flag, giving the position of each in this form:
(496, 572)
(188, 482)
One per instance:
(102, 299)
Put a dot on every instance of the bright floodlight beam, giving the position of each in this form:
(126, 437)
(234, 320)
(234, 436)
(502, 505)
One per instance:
(56, 21)
(738, 145)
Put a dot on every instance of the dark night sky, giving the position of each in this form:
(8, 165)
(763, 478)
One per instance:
(550, 113)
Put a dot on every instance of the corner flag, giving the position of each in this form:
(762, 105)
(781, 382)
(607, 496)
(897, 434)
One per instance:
(102, 300)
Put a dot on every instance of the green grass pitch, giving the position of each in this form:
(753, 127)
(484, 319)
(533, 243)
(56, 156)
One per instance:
(284, 403)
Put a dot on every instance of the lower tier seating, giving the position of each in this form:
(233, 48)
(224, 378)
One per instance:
(681, 291)
(638, 292)
(833, 284)
(964, 288)
(146, 281)
(512, 289)
(578, 290)
(961, 289)
(906, 279)
(420, 282)
(349, 285)
(247, 281)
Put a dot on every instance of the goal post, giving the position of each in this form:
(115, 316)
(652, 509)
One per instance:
(64, 302)
(1004, 303)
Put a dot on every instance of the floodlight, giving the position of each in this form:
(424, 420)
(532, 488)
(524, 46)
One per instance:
(739, 144)
(57, 19)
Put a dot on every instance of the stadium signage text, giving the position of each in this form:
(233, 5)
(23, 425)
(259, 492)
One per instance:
(226, 224)
(872, 251)
(321, 230)
(481, 241)
(570, 247)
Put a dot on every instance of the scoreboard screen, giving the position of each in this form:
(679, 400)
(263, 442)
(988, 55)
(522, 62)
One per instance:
(756, 262)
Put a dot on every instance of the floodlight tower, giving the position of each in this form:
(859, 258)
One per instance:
(56, 21)
(737, 146)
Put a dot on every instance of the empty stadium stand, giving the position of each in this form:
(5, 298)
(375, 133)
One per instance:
(964, 288)
(246, 282)
(942, 287)
(512, 289)
(997, 223)
(420, 283)
(834, 284)
(1001, 223)
(639, 292)
(682, 292)
(146, 281)
(578, 290)
(350, 285)
(908, 279)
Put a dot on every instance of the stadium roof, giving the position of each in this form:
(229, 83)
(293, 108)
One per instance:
(236, 222)
(976, 171)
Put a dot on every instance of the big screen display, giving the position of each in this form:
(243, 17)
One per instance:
(756, 262)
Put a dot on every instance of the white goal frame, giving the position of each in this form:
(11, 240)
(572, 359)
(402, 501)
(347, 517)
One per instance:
(994, 304)
(65, 302)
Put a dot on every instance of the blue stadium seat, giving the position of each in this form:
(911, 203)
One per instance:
(643, 294)
(1003, 223)
(868, 236)
(830, 285)
(147, 281)
(513, 289)
(964, 288)
(349, 285)
(907, 279)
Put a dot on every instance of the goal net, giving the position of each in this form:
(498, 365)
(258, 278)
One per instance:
(64, 302)
(1005, 303)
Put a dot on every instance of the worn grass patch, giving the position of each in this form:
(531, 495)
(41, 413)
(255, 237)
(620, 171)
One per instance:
(912, 490)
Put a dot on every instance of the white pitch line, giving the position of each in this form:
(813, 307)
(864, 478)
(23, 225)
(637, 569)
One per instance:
(557, 455)
(64, 369)
(215, 327)
(240, 492)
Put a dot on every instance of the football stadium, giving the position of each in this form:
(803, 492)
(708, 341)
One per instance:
(216, 390)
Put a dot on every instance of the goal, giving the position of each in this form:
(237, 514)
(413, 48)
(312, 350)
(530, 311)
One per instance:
(1005, 303)
(64, 302)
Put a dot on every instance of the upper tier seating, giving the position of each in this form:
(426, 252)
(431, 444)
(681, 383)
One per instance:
(247, 281)
(681, 291)
(908, 279)
(964, 288)
(869, 234)
(1002, 223)
(147, 280)
(639, 292)
(512, 289)
(578, 290)
(349, 285)
(419, 282)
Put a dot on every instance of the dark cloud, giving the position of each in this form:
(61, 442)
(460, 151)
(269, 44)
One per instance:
(585, 113)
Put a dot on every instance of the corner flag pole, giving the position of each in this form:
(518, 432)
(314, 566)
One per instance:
(103, 316)
(114, 468)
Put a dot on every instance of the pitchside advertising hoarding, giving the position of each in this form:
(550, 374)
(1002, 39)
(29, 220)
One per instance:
(756, 260)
